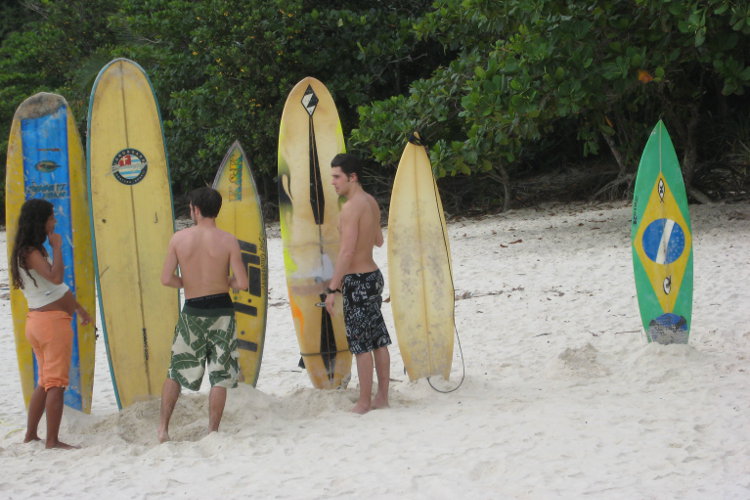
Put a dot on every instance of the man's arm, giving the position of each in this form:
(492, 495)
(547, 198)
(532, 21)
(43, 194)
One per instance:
(349, 227)
(378, 229)
(239, 280)
(169, 276)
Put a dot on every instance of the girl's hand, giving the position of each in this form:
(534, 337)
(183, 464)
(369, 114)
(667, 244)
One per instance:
(83, 315)
(55, 240)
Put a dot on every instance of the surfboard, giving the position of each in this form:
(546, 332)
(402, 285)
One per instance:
(241, 215)
(132, 222)
(419, 267)
(45, 160)
(310, 136)
(662, 243)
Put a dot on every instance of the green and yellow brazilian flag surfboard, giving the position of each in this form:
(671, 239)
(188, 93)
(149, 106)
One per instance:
(662, 243)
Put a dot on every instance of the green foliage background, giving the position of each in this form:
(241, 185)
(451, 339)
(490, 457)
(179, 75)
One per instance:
(502, 91)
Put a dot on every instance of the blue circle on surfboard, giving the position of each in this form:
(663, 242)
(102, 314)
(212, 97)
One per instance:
(663, 241)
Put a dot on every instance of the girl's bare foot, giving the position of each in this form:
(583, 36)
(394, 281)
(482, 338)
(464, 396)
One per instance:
(163, 436)
(31, 438)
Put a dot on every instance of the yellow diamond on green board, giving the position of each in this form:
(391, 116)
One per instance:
(663, 244)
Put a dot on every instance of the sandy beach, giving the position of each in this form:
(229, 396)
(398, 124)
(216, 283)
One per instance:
(562, 397)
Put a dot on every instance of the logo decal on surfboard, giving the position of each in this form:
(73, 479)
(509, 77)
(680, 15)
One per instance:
(310, 100)
(664, 241)
(46, 166)
(129, 166)
(668, 328)
(235, 178)
(317, 196)
(47, 191)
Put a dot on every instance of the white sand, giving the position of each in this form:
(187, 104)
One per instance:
(563, 397)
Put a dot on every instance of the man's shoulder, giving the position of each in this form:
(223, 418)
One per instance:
(223, 237)
(214, 232)
(182, 233)
(360, 203)
(220, 233)
(367, 203)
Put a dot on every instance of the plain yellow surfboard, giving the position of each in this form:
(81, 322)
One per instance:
(241, 215)
(132, 220)
(310, 136)
(45, 160)
(419, 268)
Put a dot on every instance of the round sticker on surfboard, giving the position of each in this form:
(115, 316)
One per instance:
(664, 241)
(129, 166)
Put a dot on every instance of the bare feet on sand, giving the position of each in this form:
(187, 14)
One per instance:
(379, 403)
(163, 436)
(59, 445)
(31, 438)
(361, 408)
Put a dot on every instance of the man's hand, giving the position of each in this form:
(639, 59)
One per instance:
(235, 286)
(330, 303)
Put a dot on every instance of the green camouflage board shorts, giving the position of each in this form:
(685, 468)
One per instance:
(201, 337)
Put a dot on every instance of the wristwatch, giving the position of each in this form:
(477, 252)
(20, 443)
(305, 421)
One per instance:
(329, 291)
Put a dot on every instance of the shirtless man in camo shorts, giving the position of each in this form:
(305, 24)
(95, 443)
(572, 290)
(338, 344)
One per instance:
(205, 330)
(357, 278)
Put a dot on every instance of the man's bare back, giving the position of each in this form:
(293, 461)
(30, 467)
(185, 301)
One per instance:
(204, 254)
(203, 257)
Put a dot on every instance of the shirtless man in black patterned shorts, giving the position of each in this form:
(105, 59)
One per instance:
(358, 279)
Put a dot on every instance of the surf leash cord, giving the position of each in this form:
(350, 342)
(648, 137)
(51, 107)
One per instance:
(416, 139)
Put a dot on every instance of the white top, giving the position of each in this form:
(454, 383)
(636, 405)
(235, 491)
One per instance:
(43, 293)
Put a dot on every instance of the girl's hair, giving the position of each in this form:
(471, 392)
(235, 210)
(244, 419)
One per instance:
(31, 234)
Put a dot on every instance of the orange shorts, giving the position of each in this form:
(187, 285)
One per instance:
(51, 336)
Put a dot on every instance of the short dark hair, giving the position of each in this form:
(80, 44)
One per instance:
(349, 164)
(207, 200)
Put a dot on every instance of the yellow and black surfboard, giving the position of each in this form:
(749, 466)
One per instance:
(309, 137)
(241, 215)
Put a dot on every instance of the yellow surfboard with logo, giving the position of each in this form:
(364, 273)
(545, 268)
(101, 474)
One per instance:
(310, 136)
(419, 267)
(132, 222)
(241, 215)
(45, 160)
